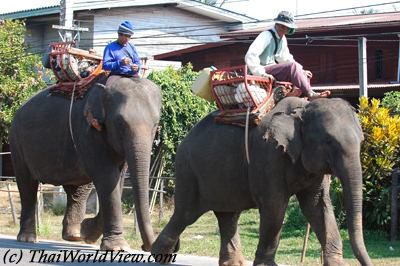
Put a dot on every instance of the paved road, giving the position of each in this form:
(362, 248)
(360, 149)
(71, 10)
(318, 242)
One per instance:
(47, 252)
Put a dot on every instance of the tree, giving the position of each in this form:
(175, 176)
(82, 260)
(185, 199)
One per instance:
(181, 110)
(392, 102)
(18, 76)
(379, 156)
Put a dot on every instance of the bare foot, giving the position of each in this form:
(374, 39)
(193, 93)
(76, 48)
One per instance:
(317, 95)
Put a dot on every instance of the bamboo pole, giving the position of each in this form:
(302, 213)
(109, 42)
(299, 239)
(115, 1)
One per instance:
(305, 242)
(11, 204)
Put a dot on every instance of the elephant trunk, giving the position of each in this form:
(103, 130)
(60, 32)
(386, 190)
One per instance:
(350, 173)
(138, 158)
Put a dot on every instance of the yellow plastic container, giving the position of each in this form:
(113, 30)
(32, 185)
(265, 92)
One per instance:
(201, 86)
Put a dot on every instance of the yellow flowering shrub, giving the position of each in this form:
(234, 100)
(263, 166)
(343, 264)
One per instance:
(379, 155)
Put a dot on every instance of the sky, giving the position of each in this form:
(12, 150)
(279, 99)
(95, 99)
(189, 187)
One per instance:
(268, 9)
(261, 9)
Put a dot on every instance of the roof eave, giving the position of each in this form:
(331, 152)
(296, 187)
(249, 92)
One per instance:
(214, 12)
(51, 10)
(191, 49)
(251, 33)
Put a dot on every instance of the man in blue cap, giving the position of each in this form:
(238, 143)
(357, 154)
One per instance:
(120, 57)
(269, 56)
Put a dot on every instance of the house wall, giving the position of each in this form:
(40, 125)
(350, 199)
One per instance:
(224, 56)
(338, 62)
(333, 62)
(39, 33)
(159, 29)
(85, 20)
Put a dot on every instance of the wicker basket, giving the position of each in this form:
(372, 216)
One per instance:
(235, 90)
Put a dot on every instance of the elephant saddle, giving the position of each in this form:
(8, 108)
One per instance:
(75, 69)
(242, 98)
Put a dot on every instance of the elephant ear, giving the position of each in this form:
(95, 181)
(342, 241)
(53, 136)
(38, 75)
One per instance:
(94, 108)
(285, 129)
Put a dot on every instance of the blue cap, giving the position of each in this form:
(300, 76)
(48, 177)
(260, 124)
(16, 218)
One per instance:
(125, 28)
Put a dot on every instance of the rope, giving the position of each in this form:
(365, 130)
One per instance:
(70, 115)
(246, 136)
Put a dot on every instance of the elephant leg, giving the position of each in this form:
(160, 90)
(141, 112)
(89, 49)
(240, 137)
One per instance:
(109, 194)
(230, 252)
(75, 211)
(272, 214)
(187, 210)
(28, 188)
(92, 228)
(168, 240)
(316, 205)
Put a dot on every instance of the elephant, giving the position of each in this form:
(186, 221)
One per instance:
(59, 141)
(291, 152)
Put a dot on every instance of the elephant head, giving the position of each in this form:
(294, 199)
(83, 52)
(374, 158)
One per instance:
(325, 136)
(127, 115)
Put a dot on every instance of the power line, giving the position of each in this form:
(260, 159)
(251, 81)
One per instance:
(346, 9)
(100, 44)
(99, 40)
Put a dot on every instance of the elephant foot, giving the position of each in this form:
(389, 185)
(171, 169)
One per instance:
(165, 245)
(90, 230)
(27, 237)
(264, 263)
(232, 259)
(114, 243)
(71, 232)
(334, 260)
(146, 248)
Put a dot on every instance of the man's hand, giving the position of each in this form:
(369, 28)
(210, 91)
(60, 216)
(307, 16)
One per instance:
(135, 67)
(308, 73)
(126, 61)
(268, 76)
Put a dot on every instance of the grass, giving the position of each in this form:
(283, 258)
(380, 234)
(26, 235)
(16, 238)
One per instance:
(202, 238)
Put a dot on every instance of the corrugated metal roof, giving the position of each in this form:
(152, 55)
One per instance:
(189, 50)
(36, 12)
(329, 23)
(13, 6)
(214, 12)
(44, 8)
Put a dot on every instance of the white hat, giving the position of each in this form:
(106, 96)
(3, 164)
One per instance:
(286, 18)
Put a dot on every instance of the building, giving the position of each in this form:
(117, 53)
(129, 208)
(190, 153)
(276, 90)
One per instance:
(327, 46)
(161, 26)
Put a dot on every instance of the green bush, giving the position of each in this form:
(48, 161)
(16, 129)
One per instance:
(181, 109)
(392, 102)
(379, 154)
(19, 77)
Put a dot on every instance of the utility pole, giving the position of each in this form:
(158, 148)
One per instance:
(362, 66)
(398, 62)
(67, 29)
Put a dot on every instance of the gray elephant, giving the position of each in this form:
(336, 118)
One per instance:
(290, 153)
(52, 144)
